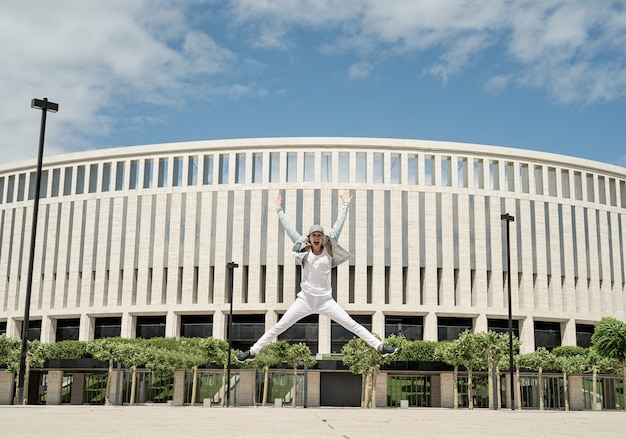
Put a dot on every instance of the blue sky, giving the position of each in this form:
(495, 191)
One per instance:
(547, 75)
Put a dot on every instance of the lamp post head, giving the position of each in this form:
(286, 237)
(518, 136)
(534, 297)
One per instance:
(44, 104)
(507, 217)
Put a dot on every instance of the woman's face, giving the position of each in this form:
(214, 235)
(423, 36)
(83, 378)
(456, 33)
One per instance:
(316, 239)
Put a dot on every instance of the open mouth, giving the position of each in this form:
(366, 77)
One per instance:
(315, 240)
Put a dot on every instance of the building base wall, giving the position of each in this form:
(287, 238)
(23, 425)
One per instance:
(7, 387)
(78, 389)
(575, 388)
(55, 386)
(178, 399)
(313, 389)
(446, 389)
(441, 389)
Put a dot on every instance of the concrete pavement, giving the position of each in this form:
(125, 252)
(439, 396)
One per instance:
(165, 421)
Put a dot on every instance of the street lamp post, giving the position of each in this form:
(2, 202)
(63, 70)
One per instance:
(509, 219)
(229, 329)
(45, 106)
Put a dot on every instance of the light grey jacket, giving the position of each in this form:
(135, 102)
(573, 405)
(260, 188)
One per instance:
(340, 255)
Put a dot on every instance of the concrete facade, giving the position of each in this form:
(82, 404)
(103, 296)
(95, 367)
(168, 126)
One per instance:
(148, 231)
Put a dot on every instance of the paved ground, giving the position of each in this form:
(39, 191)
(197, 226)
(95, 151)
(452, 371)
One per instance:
(158, 421)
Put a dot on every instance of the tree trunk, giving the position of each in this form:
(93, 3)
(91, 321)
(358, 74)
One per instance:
(565, 392)
(295, 386)
(499, 391)
(490, 382)
(374, 380)
(107, 400)
(518, 389)
(224, 384)
(266, 383)
(16, 390)
(368, 400)
(624, 384)
(133, 385)
(470, 397)
(540, 384)
(456, 387)
(194, 386)
(364, 390)
(26, 380)
(594, 388)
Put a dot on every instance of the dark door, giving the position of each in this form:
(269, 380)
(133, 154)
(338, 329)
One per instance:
(340, 389)
(34, 388)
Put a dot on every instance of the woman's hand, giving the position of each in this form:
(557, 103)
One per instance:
(345, 196)
(279, 200)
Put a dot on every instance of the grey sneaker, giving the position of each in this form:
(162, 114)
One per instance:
(246, 356)
(385, 351)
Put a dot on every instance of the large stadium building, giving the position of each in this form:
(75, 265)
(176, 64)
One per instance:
(136, 241)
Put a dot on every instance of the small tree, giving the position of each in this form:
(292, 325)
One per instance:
(538, 361)
(193, 353)
(161, 359)
(363, 360)
(593, 360)
(609, 339)
(470, 350)
(106, 349)
(270, 355)
(448, 352)
(217, 352)
(598, 363)
(412, 350)
(407, 351)
(67, 350)
(495, 347)
(298, 354)
(35, 357)
(9, 351)
(132, 354)
(490, 347)
(569, 360)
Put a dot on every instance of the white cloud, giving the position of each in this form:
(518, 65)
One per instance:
(271, 37)
(497, 83)
(463, 52)
(359, 70)
(575, 50)
(93, 58)
(239, 91)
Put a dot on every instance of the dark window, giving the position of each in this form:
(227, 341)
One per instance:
(547, 334)
(304, 331)
(449, 328)
(583, 335)
(67, 329)
(34, 330)
(340, 335)
(106, 327)
(196, 326)
(150, 326)
(502, 326)
(3, 328)
(411, 327)
(247, 329)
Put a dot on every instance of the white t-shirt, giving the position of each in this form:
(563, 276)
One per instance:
(316, 274)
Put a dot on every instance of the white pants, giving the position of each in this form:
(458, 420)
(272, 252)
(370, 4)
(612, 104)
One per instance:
(305, 305)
